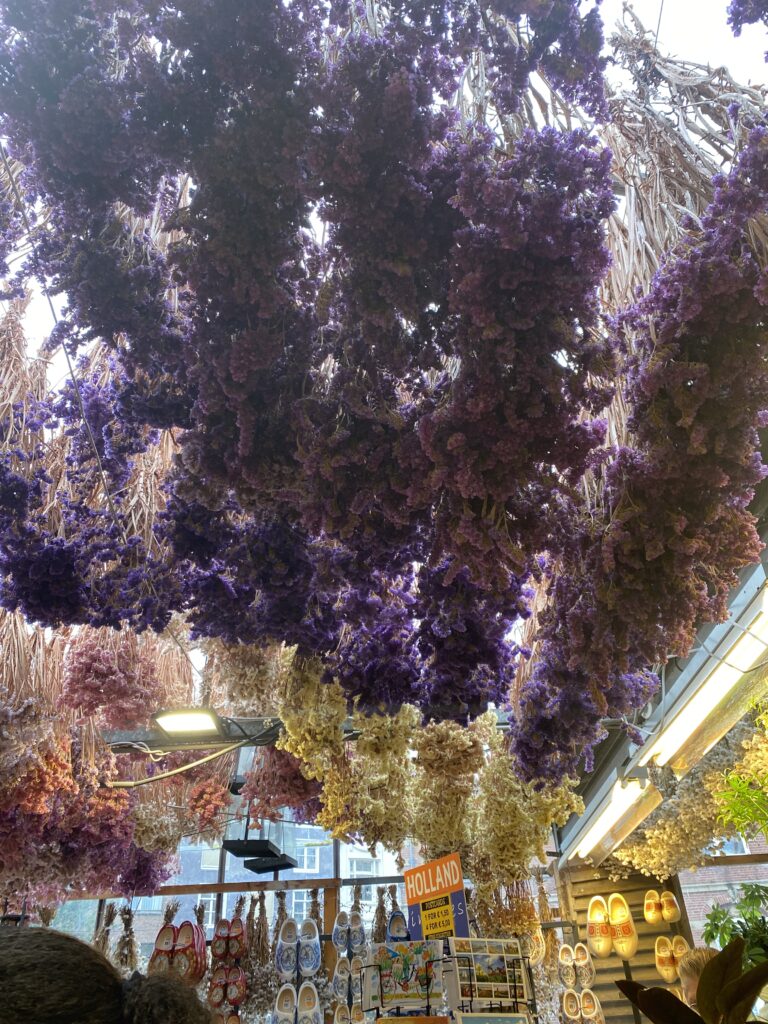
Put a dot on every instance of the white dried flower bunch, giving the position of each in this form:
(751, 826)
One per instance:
(678, 834)
(448, 758)
(254, 675)
(514, 819)
(313, 715)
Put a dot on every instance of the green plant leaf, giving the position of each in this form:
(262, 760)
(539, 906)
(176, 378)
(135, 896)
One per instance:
(719, 972)
(662, 1007)
(738, 997)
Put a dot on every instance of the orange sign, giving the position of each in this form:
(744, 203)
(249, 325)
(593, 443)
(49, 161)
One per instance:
(435, 896)
(436, 878)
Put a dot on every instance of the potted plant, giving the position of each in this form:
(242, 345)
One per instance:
(726, 994)
(746, 919)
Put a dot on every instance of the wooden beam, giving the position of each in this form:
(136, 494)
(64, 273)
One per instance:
(732, 859)
(271, 886)
(220, 887)
(330, 910)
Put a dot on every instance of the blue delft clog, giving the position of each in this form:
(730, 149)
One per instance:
(309, 949)
(285, 955)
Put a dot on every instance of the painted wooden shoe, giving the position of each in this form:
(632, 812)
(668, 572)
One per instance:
(357, 1016)
(309, 948)
(566, 969)
(571, 1005)
(161, 960)
(356, 932)
(356, 975)
(341, 979)
(340, 933)
(598, 928)
(623, 932)
(237, 986)
(309, 1004)
(285, 954)
(397, 927)
(237, 942)
(591, 1010)
(187, 954)
(665, 960)
(220, 941)
(652, 907)
(585, 968)
(538, 948)
(341, 1016)
(670, 908)
(679, 948)
(217, 992)
(285, 1005)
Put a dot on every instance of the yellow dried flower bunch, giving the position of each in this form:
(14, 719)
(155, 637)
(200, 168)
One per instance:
(448, 757)
(313, 715)
(514, 819)
(366, 791)
(386, 737)
(343, 799)
(507, 910)
(384, 771)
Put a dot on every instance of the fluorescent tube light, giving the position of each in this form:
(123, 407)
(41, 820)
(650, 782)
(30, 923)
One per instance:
(623, 797)
(750, 647)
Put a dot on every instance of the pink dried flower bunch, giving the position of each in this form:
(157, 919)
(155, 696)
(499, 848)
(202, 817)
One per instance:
(208, 803)
(107, 674)
(275, 782)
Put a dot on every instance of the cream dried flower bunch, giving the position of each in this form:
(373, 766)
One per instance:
(383, 773)
(513, 820)
(313, 714)
(448, 758)
(159, 827)
(253, 674)
(366, 790)
(677, 836)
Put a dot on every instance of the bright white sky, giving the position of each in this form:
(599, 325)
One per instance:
(698, 30)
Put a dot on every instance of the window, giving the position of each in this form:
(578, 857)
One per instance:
(300, 907)
(364, 867)
(78, 918)
(149, 905)
(308, 858)
(208, 900)
(209, 859)
(731, 847)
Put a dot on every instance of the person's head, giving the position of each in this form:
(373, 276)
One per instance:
(51, 978)
(689, 969)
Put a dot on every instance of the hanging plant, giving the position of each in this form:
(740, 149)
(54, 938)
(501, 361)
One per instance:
(681, 833)
(742, 796)
(275, 781)
(448, 757)
(209, 803)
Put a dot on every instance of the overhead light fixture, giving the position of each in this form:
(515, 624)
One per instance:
(628, 799)
(751, 645)
(193, 722)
